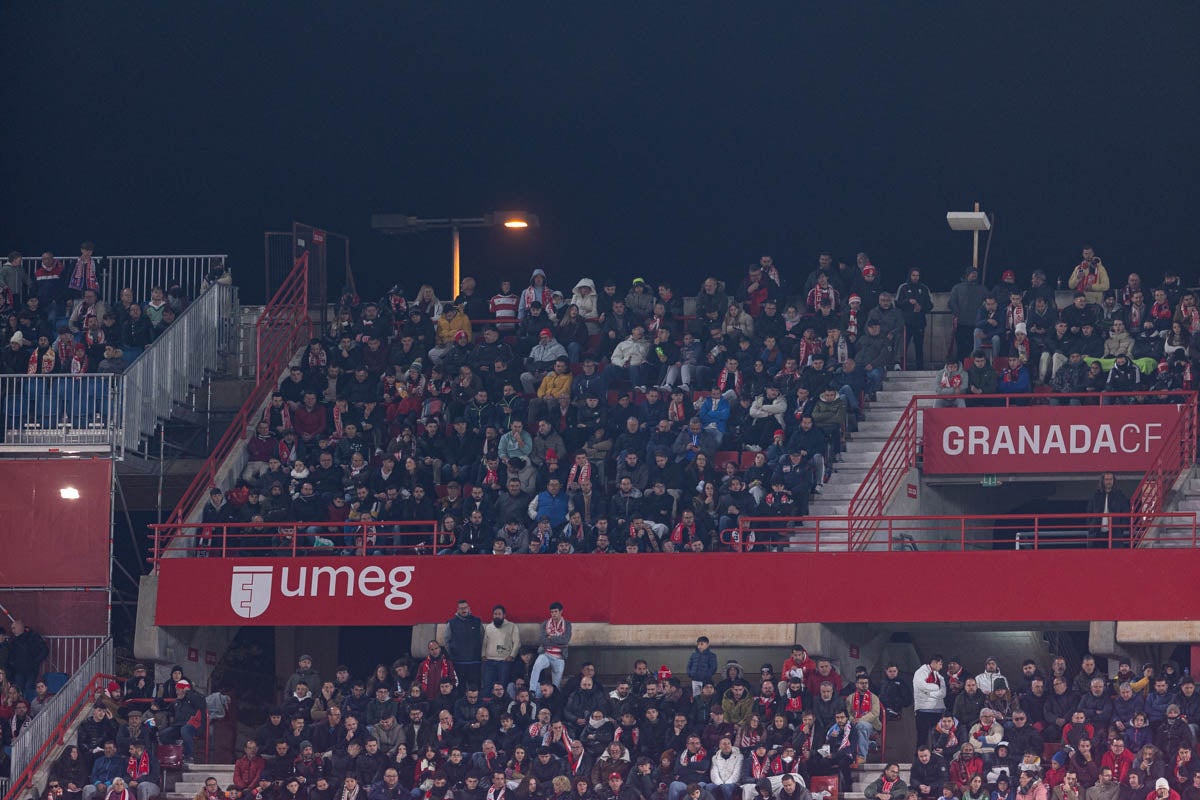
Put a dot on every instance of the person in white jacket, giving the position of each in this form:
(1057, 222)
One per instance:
(986, 680)
(767, 412)
(629, 357)
(929, 696)
(583, 296)
(726, 772)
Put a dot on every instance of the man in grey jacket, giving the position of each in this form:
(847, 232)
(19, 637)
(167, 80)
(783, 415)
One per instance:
(501, 641)
(965, 299)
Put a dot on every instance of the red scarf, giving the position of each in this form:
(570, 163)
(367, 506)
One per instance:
(94, 336)
(861, 704)
(285, 416)
(1088, 280)
(951, 380)
(817, 294)
(79, 363)
(762, 767)
(1014, 316)
(578, 473)
(84, 275)
(338, 425)
(676, 412)
(317, 358)
(64, 349)
(555, 628)
(808, 349)
(723, 382)
(46, 362)
(686, 758)
(1135, 316)
(137, 768)
(1160, 311)
(852, 322)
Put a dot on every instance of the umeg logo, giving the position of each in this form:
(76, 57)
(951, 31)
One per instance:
(252, 587)
(250, 590)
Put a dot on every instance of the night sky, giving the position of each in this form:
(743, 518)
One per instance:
(669, 140)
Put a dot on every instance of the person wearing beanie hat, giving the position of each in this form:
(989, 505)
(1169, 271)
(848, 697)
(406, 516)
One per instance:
(304, 672)
(542, 358)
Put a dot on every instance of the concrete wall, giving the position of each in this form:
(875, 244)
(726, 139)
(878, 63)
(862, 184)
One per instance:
(190, 647)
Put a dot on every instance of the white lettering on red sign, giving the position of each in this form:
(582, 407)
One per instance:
(1042, 440)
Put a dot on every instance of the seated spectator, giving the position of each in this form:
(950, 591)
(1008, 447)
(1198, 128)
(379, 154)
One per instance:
(952, 383)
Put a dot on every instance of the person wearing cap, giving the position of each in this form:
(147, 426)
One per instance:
(541, 359)
(1163, 791)
(187, 719)
(304, 672)
(447, 330)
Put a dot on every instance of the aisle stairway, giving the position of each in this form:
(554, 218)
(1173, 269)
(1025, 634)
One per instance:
(861, 451)
(191, 781)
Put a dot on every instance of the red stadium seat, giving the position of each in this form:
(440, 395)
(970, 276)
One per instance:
(724, 457)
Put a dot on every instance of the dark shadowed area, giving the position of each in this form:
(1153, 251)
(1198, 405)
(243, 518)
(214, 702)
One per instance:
(669, 140)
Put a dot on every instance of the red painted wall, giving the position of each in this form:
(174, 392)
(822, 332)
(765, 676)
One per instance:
(1058, 585)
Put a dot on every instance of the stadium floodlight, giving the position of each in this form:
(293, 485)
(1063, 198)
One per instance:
(973, 221)
(400, 224)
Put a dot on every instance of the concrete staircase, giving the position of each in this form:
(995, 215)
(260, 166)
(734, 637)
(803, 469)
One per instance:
(862, 449)
(1185, 499)
(866, 774)
(193, 777)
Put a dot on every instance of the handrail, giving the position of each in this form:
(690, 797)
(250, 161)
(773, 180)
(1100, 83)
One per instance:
(1177, 455)
(964, 532)
(899, 452)
(279, 330)
(62, 708)
(347, 538)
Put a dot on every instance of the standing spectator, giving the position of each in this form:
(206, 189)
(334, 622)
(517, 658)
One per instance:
(702, 664)
(304, 674)
(464, 643)
(501, 642)
(929, 696)
(554, 636)
(14, 280)
(965, 300)
(26, 652)
(914, 301)
(1090, 277)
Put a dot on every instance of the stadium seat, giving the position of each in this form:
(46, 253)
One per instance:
(55, 681)
(747, 459)
(724, 457)
(825, 783)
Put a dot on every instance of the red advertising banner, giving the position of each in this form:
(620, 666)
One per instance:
(1117, 438)
(55, 522)
(664, 589)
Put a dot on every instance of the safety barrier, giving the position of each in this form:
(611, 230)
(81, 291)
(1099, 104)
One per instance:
(1176, 457)
(282, 327)
(143, 273)
(49, 728)
(69, 653)
(295, 538)
(968, 532)
(71, 413)
(901, 451)
(175, 363)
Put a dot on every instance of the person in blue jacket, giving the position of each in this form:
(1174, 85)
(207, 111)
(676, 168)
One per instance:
(702, 664)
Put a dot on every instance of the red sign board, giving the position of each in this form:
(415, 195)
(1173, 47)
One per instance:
(657, 589)
(1034, 439)
(193, 654)
(912, 490)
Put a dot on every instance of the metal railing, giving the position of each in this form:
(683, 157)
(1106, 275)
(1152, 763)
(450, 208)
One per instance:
(901, 450)
(282, 327)
(1176, 457)
(69, 653)
(48, 729)
(968, 532)
(292, 538)
(65, 412)
(176, 362)
(143, 273)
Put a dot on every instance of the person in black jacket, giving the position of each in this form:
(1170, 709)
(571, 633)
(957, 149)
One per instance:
(928, 774)
(914, 301)
(1108, 511)
(464, 643)
(94, 732)
(26, 652)
(187, 719)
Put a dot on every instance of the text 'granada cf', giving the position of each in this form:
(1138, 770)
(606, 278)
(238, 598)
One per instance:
(1045, 439)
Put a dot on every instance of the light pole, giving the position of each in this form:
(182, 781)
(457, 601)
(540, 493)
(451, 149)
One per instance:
(974, 221)
(398, 224)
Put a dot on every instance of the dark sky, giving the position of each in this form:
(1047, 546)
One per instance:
(670, 140)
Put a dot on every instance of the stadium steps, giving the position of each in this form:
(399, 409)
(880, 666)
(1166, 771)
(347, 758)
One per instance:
(193, 777)
(862, 449)
(1185, 498)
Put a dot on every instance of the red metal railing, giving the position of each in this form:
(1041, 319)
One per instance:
(1177, 455)
(291, 539)
(282, 327)
(900, 453)
(969, 532)
(23, 783)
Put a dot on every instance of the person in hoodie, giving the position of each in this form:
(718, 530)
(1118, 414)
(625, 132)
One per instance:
(733, 676)
(1014, 379)
(966, 297)
(537, 290)
(952, 384)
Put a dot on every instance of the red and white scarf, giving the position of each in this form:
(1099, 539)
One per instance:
(84, 275)
(579, 473)
(1014, 316)
(45, 361)
(555, 627)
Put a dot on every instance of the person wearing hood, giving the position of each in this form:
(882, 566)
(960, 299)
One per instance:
(536, 290)
(639, 300)
(952, 384)
(965, 300)
(583, 297)
(733, 676)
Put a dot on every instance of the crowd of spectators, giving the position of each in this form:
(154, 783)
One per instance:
(485, 715)
(528, 423)
(1011, 339)
(56, 322)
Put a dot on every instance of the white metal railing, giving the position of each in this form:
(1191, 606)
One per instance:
(139, 273)
(143, 273)
(27, 745)
(69, 653)
(176, 361)
(115, 413)
(71, 412)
